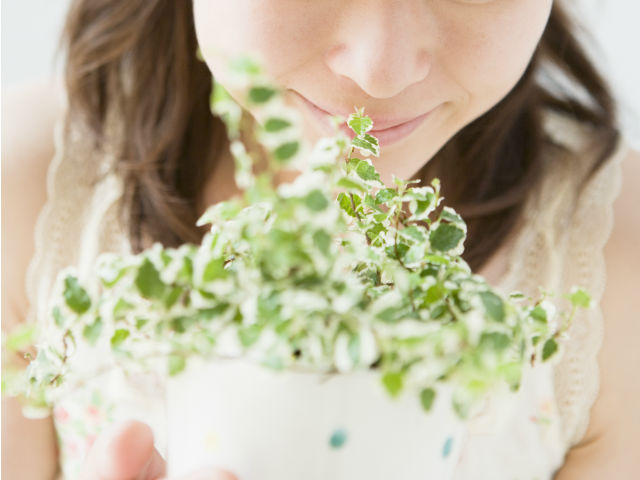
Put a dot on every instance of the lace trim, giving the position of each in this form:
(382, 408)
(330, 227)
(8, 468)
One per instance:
(37, 273)
(79, 185)
(577, 379)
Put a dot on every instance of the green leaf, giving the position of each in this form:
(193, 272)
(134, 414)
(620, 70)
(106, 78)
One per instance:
(354, 349)
(400, 249)
(75, 296)
(451, 216)
(173, 297)
(205, 294)
(371, 139)
(249, 335)
(111, 275)
(214, 270)
(244, 64)
(283, 327)
(225, 210)
(389, 314)
(512, 373)
(213, 312)
(426, 398)
(366, 145)
(414, 233)
(366, 171)
(92, 332)
(345, 203)
(421, 209)
(276, 124)
(580, 298)
(550, 347)
(461, 406)
(285, 151)
(182, 323)
(58, 318)
(384, 195)
(374, 232)
(539, 314)
(118, 337)
(350, 184)
(370, 202)
(359, 124)
(186, 272)
(380, 217)
(261, 94)
(493, 305)
(393, 382)
(495, 340)
(176, 364)
(219, 94)
(148, 281)
(436, 260)
(316, 201)
(446, 237)
(322, 240)
(434, 293)
(165, 257)
(352, 163)
(121, 305)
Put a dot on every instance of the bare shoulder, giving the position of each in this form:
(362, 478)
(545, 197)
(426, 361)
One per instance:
(614, 425)
(29, 114)
(622, 255)
(630, 195)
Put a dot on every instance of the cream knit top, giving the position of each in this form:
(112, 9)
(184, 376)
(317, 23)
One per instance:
(560, 244)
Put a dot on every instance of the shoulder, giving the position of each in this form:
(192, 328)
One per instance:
(622, 252)
(626, 215)
(614, 423)
(29, 113)
(29, 116)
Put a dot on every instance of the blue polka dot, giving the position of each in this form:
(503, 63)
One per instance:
(338, 438)
(447, 447)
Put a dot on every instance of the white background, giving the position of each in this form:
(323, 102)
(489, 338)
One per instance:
(30, 33)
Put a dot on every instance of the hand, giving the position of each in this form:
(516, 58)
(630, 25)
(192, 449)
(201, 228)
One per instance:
(125, 451)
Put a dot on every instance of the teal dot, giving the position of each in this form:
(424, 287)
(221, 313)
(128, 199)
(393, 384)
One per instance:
(446, 448)
(338, 438)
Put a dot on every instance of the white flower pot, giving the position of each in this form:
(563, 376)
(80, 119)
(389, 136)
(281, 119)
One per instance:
(291, 425)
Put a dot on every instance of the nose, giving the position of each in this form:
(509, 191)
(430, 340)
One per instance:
(383, 48)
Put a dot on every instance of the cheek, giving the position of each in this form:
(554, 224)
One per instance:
(486, 54)
(274, 31)
(220, 30)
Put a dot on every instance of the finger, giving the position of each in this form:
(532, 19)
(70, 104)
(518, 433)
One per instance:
(207, 473)
(123, 451)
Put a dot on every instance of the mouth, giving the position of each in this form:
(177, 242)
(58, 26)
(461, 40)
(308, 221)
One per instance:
(394, 131)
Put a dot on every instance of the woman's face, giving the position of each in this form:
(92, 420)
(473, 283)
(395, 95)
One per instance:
(400, 59)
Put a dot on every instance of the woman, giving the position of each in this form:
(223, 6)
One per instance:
(472, 89)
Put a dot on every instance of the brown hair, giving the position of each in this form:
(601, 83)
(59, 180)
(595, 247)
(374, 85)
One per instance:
(172, 138)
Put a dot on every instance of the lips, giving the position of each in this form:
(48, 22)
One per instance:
(387, 131)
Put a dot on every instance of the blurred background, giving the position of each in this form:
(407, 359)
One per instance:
(30, 31)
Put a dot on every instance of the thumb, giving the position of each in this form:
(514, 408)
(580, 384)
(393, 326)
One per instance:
(123, 451)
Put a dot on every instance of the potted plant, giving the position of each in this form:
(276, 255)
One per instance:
(324, 328)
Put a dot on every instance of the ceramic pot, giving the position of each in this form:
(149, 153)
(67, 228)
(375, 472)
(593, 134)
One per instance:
(263, 424)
